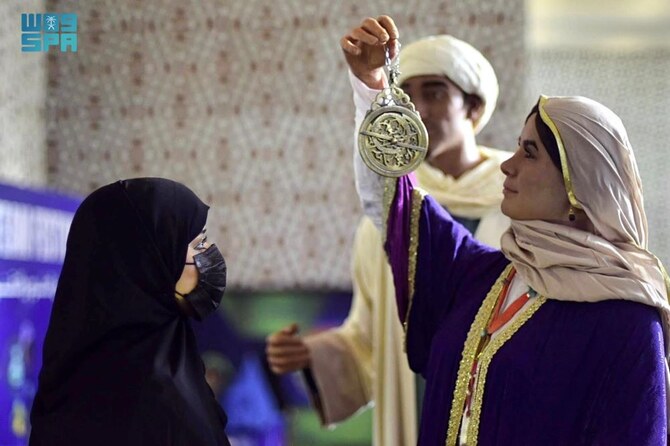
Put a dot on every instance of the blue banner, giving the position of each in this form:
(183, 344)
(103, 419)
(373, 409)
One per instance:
(33, 232)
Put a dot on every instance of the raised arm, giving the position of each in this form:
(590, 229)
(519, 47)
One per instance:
(428, 251)
(364, 50)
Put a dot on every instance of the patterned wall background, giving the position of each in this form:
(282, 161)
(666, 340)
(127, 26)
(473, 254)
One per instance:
(22, 99)
(248, 104)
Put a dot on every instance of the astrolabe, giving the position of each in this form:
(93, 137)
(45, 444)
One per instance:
(392, 142)
(392, 139)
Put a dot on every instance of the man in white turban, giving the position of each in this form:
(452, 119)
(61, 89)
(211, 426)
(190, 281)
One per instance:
(362, 362)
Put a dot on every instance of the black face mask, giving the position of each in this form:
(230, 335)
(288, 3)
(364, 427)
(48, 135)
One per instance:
(206, 296)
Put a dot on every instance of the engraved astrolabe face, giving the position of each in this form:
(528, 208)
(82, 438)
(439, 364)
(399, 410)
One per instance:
(392, 139)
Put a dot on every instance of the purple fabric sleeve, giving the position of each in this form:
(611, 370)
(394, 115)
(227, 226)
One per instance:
(397, 241)
(452, 269)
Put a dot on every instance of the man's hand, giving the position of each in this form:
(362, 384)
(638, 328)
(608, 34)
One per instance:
(364, 49)
(286, 351)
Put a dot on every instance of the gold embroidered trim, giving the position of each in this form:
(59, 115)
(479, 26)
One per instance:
(485, 360)
(468, 357)
(561, 150)
(390, 185)
(415, 215)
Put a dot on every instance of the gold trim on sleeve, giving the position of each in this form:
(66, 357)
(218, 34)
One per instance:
(418, 196)
(390, 186)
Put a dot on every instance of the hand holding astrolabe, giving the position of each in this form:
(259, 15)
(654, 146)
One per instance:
(392, 139)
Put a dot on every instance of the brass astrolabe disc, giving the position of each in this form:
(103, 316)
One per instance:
(392, 139)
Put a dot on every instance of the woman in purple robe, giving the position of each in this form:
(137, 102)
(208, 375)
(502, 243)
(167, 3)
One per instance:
(559, 338)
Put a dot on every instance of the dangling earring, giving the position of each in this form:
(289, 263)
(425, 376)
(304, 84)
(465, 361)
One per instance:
(571, 214)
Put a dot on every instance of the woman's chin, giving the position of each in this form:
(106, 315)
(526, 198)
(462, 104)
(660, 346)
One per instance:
(505, 208)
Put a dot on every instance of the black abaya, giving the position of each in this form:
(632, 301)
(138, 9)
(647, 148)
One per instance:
(120, 362)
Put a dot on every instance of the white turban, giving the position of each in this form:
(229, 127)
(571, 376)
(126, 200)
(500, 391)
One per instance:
(460, 62)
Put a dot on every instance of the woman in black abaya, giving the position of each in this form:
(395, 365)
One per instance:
(120, 363)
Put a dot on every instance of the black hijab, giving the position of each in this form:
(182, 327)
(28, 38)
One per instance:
(120, 362)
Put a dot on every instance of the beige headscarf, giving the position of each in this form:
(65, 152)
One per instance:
(459, 61)
(601, 177)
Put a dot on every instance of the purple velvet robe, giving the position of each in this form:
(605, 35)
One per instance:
(573, 374)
